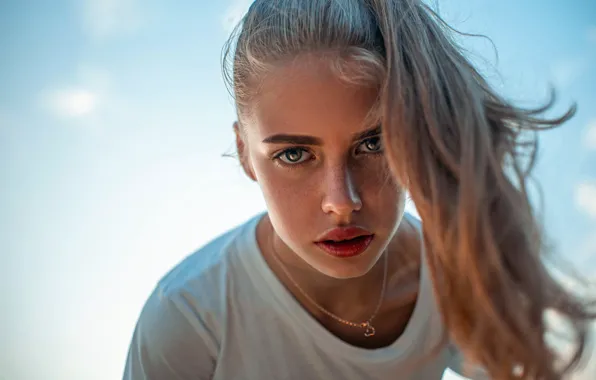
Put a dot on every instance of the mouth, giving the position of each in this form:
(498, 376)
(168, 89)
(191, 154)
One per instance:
(345, 242)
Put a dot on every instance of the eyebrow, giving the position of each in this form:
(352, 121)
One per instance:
(293, 139)
(311, 140)
(368, 133)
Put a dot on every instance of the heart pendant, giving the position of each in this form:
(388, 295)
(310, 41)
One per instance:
(370, 331)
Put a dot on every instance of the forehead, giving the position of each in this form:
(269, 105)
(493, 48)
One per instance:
(307, 97)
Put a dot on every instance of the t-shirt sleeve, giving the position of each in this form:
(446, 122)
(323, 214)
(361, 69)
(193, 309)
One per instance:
(170, 341)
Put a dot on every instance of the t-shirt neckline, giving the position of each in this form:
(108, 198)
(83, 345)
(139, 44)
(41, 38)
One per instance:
(289, 305)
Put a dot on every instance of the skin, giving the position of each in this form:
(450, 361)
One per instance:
(318, 159)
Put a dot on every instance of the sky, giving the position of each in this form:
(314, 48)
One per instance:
(114, 120)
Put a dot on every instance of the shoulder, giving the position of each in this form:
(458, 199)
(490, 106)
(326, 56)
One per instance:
(179, 330)
(198, 285)
(173, 338)
(203, 273)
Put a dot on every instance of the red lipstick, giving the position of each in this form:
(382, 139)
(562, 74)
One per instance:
(345, 241)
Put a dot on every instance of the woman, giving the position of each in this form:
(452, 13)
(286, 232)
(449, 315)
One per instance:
(342, 107)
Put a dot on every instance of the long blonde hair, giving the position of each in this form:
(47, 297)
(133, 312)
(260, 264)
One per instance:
(464, 153)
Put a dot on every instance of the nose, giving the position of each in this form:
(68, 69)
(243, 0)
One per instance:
(341, 194)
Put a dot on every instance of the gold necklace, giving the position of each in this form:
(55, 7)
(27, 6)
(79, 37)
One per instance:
(369, 330)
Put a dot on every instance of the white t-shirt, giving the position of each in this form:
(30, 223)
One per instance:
(222, 314)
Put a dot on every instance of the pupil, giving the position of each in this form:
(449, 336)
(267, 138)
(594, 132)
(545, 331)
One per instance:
(294, 155)
(373, 144)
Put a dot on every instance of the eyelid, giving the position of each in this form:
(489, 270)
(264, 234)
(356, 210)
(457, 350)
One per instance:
(278, 153)
(378, 135)
(372, 136)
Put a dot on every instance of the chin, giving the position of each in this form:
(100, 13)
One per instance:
(344, 274)
(344, 269)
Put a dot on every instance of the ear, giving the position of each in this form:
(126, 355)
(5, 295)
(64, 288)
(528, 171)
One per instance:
(243, 153)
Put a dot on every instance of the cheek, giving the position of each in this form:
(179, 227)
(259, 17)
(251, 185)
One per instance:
(377, 186)
(283, 190)
(292, 204)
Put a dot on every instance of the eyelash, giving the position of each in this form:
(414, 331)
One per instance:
(278, 157)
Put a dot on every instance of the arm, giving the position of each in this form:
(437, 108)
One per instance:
(170, 341)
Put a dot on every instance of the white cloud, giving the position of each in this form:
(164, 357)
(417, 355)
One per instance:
(567, 71)
(589, 138)
(106, 18)
(80, 98)
(71, 102)
(234, 13)
(585, 198)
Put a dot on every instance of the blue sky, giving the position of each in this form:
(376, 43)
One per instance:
(113, 121)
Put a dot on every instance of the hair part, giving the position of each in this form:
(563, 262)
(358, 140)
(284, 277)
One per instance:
(464, 153)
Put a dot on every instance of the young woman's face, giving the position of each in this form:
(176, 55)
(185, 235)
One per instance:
(319, 161)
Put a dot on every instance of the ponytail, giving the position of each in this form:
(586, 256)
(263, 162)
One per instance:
(464, 154)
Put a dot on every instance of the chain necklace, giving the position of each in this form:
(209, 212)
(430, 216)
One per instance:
(369, 330)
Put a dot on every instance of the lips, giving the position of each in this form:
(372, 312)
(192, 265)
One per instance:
(345, 242)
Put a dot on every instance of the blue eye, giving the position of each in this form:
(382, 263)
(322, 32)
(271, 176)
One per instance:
(371, 145)
(293, 156)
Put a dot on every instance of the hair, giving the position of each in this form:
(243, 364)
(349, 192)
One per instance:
(464, 153)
